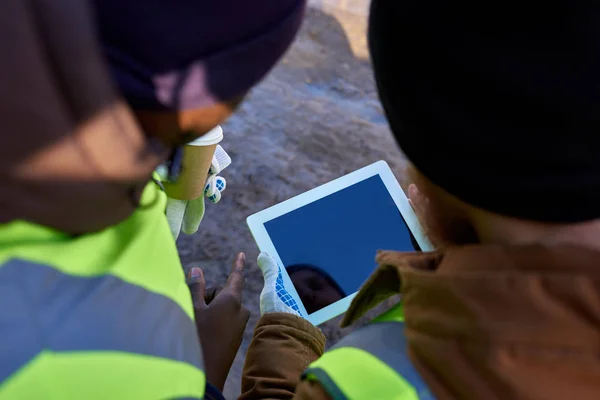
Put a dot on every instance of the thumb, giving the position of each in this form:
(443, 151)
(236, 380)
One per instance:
(418, 200)
(269, 267)
(194, 213)
(427, 217)
(197, 284)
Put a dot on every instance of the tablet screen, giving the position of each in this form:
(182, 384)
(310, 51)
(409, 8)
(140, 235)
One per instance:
(328, 247)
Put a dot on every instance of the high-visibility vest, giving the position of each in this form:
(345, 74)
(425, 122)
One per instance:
(101, 316)
(371, 364)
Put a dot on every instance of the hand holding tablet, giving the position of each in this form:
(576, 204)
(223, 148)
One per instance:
(324, 241)
(274, 296)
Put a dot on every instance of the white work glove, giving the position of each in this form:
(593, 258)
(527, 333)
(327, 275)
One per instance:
(274, 296)
(186, 215)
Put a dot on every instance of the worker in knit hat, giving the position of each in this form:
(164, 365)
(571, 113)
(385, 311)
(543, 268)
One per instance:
(95, 96)
(183, 75)
(495, 105)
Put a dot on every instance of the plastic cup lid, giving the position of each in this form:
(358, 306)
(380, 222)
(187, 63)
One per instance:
(213, 136)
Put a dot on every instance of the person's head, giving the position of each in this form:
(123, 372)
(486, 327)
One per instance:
(74, 157)
(316, 288)
(184, 66)
(496, 108)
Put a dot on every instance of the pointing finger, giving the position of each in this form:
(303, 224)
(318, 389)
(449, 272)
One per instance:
(235, 282)
(197, 284)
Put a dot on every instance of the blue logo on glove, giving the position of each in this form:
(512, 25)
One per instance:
(283, 294)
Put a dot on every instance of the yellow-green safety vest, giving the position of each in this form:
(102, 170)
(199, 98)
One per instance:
(101, 316)
(371, 364)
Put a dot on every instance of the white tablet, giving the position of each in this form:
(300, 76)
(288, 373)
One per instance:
(326, 239)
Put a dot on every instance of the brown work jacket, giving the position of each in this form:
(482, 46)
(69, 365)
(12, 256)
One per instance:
(482, 322)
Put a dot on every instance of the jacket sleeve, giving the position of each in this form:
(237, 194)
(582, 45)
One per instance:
(282, 347)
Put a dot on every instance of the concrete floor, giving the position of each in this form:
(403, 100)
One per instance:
(315, 118)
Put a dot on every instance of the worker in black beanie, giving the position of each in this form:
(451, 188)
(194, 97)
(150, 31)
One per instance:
(495, 103)
(496, 106)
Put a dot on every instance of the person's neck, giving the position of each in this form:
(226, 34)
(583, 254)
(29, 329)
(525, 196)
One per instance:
(504, 230)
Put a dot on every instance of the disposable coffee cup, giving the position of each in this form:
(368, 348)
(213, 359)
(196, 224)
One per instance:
(197, 157)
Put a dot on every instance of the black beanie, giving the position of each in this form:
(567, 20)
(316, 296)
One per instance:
(496, 102)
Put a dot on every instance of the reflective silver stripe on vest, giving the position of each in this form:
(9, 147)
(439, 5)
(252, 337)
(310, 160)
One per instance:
(386, 341)
(43, 308)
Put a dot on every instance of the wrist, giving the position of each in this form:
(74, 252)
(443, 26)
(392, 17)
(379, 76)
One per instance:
(293, 321)
(213, 393)
(216, 367)
(216, 382)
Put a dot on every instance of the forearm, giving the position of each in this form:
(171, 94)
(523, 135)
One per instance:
(282, 347)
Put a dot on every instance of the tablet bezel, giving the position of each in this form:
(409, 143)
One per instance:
(256, 223)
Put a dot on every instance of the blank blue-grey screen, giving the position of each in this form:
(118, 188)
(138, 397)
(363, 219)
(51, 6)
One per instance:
(341, 233)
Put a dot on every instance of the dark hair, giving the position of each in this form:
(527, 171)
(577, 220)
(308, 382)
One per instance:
(306, 267)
